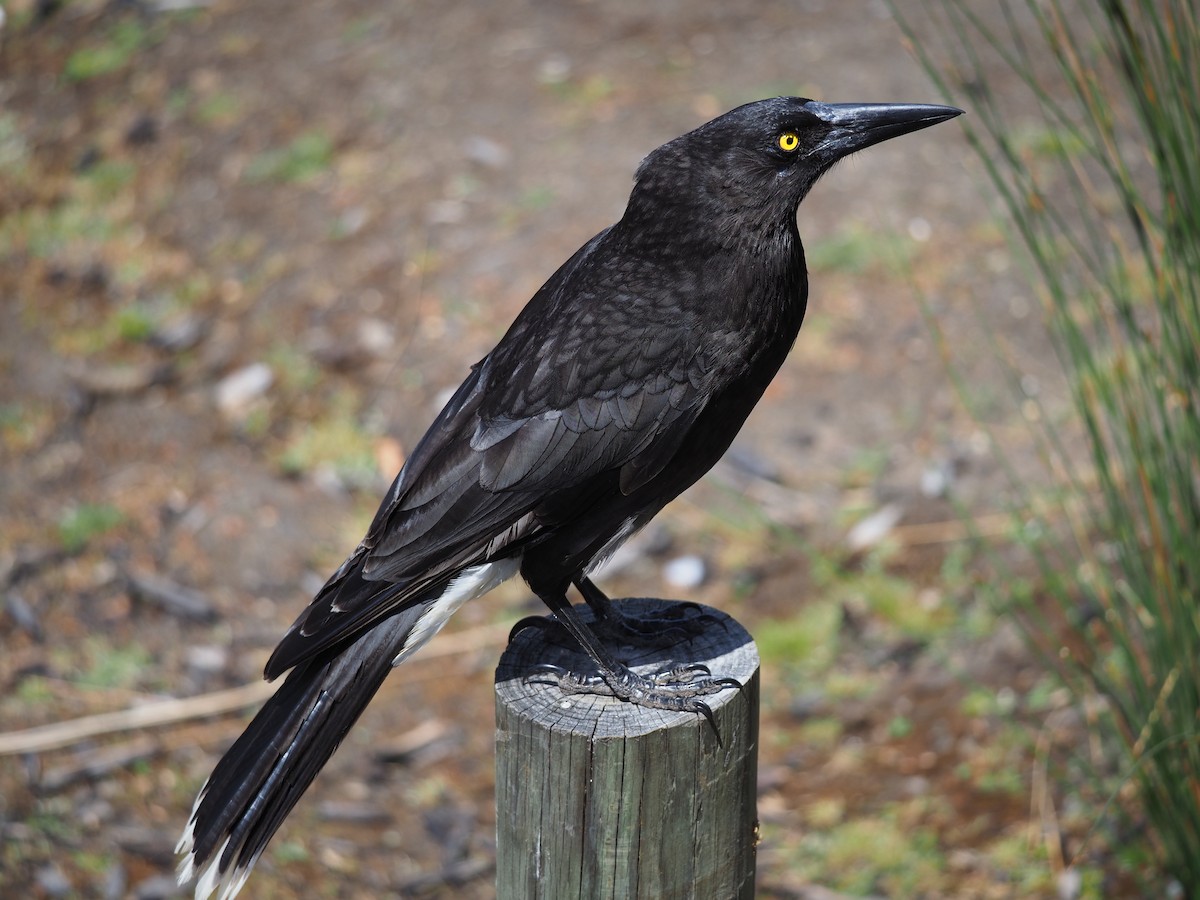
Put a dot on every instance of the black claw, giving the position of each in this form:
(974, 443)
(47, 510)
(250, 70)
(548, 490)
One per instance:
(682, 674)
(529, 622)
(555, 673)
(705, 710)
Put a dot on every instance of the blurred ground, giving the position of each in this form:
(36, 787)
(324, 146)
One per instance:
(245, 250)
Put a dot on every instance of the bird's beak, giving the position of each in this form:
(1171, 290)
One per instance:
(855, 126)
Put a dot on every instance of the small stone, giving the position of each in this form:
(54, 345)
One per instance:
(23, 615)
(326, 477)
(488, 153)
(1006, 700)
(375, 336)
(685, 572)
(91, 814)
(874, 528)
(351, 222)
(1069, 884)
(115, 882)
(207, 658)
(445, 212)
(919, 229)
(554, 69)
(936, 479)
(237, 390)
(179, 334)
(52, 881)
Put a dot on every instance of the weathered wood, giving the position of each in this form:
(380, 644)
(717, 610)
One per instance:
(599, 798)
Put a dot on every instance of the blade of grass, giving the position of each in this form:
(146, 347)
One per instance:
(1110, 224)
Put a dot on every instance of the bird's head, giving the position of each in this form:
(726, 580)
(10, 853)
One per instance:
(762, 158)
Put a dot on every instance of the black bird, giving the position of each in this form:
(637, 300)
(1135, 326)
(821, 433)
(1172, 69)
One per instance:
(621, 382)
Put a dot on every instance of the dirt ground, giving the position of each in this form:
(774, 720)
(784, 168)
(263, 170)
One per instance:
(245, 249)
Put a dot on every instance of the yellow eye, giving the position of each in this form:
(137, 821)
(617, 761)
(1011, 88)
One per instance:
(789, 141)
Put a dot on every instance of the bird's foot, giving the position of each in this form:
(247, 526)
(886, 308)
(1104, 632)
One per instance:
(678, 688)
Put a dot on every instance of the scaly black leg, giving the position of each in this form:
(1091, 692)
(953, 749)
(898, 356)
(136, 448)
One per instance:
(613, 626)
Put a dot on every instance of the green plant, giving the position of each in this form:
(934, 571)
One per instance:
(115, 52)
(133, 323)
(807, 639)
(109, 666)
(1102, 192)
(83, 523)
(878, 855)
(306, 157)
(338, 443)
(221, 109)
(108, 178)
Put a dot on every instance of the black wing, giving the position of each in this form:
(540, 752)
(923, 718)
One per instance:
(587, 380)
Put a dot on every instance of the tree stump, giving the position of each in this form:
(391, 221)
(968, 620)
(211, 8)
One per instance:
(596, 797)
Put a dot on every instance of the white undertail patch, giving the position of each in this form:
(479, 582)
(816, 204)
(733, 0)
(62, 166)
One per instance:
(469, 584)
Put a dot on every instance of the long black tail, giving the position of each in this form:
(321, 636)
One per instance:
(256, 783)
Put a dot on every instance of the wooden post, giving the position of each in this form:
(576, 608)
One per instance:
(599, 798)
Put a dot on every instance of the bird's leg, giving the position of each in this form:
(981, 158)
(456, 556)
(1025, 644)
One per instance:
(678, 688)
(612, 625)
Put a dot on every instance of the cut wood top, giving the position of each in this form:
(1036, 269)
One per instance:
(721, 644)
